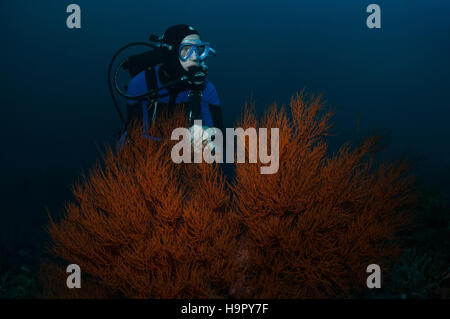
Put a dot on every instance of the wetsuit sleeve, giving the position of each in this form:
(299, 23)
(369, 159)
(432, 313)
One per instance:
(211, 96)
(215, 109)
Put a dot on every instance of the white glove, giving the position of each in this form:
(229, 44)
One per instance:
(200, 137)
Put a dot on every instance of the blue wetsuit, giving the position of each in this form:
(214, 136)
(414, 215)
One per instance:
(210, 105)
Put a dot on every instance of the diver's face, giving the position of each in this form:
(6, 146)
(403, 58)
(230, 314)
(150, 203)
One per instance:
(193, 59)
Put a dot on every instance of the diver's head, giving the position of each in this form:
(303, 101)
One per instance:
(188, 52)
(187, 49)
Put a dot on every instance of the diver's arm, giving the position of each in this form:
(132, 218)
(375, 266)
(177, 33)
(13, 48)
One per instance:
(211, 97)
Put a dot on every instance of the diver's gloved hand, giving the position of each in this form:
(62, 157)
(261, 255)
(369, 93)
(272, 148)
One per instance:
(197, 75)
(200, 137)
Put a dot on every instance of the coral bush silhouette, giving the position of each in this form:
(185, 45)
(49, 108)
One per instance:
(142, 226)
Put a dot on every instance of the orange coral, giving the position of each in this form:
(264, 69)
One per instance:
(142, 226)
(145, 227)
(314, 227)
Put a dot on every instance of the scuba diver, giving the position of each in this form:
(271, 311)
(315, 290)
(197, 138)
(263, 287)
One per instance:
(175, 72)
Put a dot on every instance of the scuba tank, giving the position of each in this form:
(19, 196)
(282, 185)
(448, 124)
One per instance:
(134, 64)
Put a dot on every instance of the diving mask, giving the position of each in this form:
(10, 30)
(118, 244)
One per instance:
(201, 49)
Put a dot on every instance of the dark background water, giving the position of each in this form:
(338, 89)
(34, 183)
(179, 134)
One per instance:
(56, 109)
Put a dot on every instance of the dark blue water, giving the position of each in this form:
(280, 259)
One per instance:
(56, 109)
